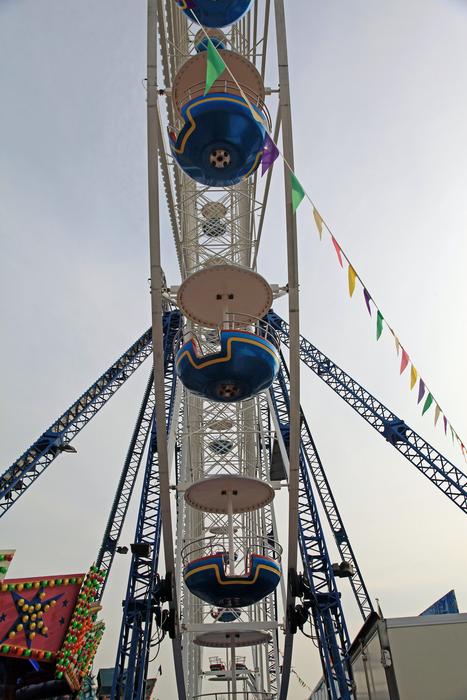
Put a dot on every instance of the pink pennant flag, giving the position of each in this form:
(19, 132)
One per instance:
(404, 360)
(421, 390)
(338, 251)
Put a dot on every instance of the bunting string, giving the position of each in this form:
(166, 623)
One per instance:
(215, 66)
(300, 680)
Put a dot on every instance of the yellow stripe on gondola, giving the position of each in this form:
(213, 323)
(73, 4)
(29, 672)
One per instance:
(233, 582)
(193, 122)
(255, 165)
(228, 357)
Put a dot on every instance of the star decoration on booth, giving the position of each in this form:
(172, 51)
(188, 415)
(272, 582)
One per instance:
(30, 613)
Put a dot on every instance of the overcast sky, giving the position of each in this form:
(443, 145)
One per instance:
(380, 118)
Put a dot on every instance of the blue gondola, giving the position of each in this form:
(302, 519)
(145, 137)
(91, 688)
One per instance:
(207, 579)
(221, 142)
(215, 13)
(245, 365)
(202, 44)
(229, 615)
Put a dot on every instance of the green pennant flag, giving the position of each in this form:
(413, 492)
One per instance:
(215, 66)
(379, 324)
(297, 193)
(427, 404)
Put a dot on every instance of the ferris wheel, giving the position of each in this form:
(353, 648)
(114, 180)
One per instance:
(220, 430)
(228, 570)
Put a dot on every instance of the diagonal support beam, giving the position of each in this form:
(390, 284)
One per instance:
(126, 483)
(279, 395)
(320, 595)
(57, 438)
(437, 468)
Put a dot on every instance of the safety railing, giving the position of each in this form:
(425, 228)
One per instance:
(208, 341)
(245, 545)
(239, 695)
(228, 87)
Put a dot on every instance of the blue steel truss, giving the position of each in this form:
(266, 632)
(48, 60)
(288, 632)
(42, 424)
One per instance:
(135, 641)
(26, 469)
(323, 488)
(127, 482)
(116, 519)
(322, 596)
(441, 472)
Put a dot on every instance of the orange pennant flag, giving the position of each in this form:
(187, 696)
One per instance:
(352, 277)
(413, 376)
(318, 222)
(437, 413)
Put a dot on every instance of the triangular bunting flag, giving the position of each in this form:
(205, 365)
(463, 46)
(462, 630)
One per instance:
(338, 250)
(215, 66)
(352, 275)
(421, 390)
(437, 413)
(367, 298)
(318, 222)
(297, 193)
(270, 153)
(413, 377)
(396, 341)
(404, 361)
(428, 402)
(445, 421)
(379, 324)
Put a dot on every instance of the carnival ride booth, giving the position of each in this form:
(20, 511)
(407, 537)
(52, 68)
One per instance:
(48, 634)
(221, 139)
(215, 13)
(231, 569)
(241, 358)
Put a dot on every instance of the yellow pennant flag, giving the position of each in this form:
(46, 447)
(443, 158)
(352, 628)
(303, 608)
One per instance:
(437, 413)
(413, 376)
(318, 222)
(352, 278)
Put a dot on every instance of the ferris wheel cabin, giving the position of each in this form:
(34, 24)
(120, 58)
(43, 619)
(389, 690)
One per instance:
(215, 13)
(235, 355)
(221, 140)
(228, 569)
